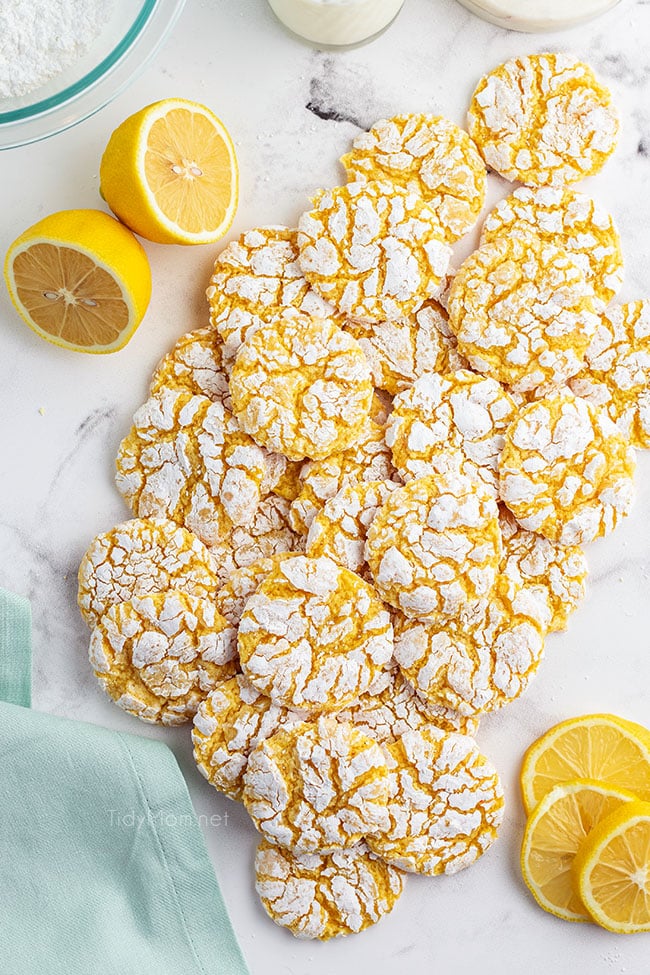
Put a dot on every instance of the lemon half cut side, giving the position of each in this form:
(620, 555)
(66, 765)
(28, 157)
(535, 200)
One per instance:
(80, 280)
(170, 173)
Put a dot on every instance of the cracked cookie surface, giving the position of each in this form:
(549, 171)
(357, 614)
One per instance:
(158, 656)
(543, 119)
(325, 895)
(523, 312)
(318, 787)
(232, 720)
(195, 365)
(400, 351)
(435, 545)
(301, 386)
(375, 251)
(253, 278)
(445, 803)
(187, 459)
(141, 556)
(570, 220)
(430, 156)
(460, 411)
(477, 662)
(566, 470)
(313, 635)
(617, 369)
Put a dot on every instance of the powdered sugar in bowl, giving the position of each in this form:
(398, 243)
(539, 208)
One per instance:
(96, 55)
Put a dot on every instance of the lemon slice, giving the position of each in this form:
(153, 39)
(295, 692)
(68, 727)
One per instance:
(612, 870)
(594, 746)
(557, 827)
(80, 280)
(170, 173)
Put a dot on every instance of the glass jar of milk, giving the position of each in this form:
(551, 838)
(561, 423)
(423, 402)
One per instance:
(538, 15)
(336, 23)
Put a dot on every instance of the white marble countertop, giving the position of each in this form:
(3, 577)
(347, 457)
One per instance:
(292, 112)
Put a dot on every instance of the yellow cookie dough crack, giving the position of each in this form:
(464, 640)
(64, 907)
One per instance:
(523, 312)
(232, 721)
(480, 662)
(253, 279)
(570, 220)
(400, 351)
(187, 459)
(617, 369)
(566, 471)
(435, 545)
(195, 365)
(459, 411)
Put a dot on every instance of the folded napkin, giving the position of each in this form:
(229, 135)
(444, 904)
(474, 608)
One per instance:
(103, 867)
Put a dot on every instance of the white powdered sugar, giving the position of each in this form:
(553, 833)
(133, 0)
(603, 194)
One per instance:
(40, 38)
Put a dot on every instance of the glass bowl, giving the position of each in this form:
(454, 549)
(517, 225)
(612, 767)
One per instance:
(128, 41)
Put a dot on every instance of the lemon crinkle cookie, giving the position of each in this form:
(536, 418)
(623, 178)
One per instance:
(617, 369)
(400, 351)
(317, 787)
(430, 156)
(445, 803)
(479, 662)
(194, 365)
(187, 459)
(557, 573)
(253, 279)
(566, 471)
(158, 656)
(301, 386)
(569, 220)
(314, 635)
(339, 531)
(523, 312)
(373, 250)
(434, 546)
(142, 556)
(324, 896)
(369, 459)
(397, 708)
(268, 533)
(543, 120)
(230, 722)
(459, 411)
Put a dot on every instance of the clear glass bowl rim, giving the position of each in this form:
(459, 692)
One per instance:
(50, 115)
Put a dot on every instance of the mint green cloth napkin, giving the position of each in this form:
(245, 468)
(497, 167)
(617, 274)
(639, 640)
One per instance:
(103, 867)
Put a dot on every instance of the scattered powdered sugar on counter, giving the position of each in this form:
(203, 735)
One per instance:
(40, 38)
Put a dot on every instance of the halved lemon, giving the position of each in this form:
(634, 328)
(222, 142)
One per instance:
(80, 280)
(612, 870)
(594, 746)
(554, 833)
(170, 173)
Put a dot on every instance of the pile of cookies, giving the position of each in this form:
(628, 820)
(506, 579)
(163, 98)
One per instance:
(360, 495)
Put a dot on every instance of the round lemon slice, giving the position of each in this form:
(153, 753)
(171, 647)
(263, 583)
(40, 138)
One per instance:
(80, 280)
(555, 830)
(170, 173)
(593, 746)
(612, 870)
